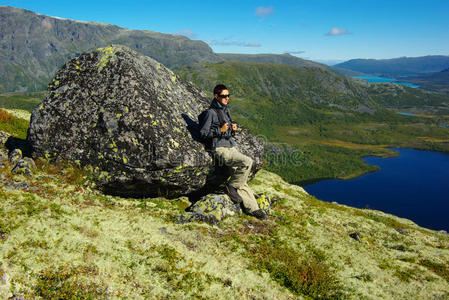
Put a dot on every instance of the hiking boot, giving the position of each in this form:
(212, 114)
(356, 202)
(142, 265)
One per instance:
(259, 214)
(232, 193)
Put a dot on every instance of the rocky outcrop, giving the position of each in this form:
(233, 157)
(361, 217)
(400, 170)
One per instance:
(213, 208)
(133, 122)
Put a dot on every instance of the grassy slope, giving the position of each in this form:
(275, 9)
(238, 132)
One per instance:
(60, 238)
(24, 101)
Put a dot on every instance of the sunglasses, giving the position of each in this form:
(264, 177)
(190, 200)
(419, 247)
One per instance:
(224, 96)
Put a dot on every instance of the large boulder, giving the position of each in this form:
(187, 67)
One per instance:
(133, 121)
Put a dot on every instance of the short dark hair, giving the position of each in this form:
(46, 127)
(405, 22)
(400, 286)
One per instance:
(219, 88)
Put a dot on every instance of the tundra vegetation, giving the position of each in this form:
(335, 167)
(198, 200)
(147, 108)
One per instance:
(62, 239)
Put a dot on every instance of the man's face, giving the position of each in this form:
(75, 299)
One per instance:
(220, 97)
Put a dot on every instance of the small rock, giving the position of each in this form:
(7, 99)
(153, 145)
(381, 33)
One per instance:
(2, 159)
(15, 156)
(264, 203)
(443, 231)
(402, 231)
(20, 185)
(211, 209)
(3, 138)
(163, 229)
(355, 236)
(24, 166)
(400, 248)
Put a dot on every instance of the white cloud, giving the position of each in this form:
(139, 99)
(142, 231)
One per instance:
(337, 31)
(186, 32)
(233, 43)
(264, 11)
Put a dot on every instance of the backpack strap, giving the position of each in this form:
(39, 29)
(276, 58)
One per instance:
(220, 116)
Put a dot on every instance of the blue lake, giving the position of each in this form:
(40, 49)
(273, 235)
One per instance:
(414, 185)
(379, 79)
(406, 114)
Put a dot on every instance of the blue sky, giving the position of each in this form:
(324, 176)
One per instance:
(318, 30)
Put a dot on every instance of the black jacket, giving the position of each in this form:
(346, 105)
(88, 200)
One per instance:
(210, 126)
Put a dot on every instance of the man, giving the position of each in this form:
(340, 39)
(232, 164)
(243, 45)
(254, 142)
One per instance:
(218, 128)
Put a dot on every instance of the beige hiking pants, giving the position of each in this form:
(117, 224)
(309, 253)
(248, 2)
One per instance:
(241, 165)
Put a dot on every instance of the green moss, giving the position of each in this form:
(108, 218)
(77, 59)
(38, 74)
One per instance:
(67, 283)
(406, 275)
(441, 270)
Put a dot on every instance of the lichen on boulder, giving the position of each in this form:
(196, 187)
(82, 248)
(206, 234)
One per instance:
(133, 122)
(211, 209)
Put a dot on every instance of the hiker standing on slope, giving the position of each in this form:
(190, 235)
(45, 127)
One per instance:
(218, 128)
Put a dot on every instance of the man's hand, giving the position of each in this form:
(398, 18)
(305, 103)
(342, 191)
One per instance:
(234, 126)
(224, 128)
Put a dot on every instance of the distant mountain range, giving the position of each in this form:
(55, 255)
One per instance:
(33, 47)
(438, 81)
(285, 59)
(403, 66)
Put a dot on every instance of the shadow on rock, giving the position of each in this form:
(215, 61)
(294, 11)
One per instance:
(14, 143)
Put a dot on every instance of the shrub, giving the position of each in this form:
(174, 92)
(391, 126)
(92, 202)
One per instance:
(309, 276)
(65, 283)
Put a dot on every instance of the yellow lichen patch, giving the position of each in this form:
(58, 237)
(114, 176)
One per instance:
(173, 78)
(169, 86)
(176, 129)
(108, 54)
(178, 169)
(118, 116)
(154, 122)
(113, 145)
(158, 66)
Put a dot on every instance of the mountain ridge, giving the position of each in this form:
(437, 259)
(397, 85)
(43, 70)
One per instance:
(398, 66)
(34, 46)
